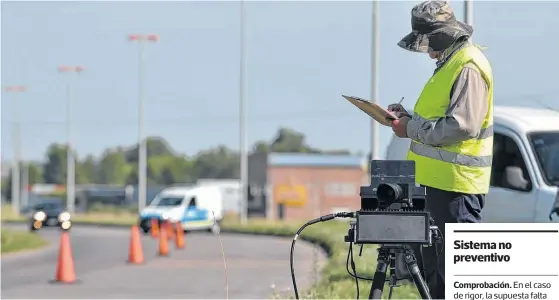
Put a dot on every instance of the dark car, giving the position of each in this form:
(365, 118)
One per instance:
(46, 214)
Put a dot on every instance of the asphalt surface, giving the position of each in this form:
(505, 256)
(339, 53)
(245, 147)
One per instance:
(257, 267)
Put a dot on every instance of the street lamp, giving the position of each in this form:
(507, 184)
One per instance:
(375, 65)
(142, 39)
(469, 12)
(16, 186)
(71, 160)
(243, 144)
(25, 184)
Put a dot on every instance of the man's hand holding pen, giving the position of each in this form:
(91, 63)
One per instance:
(400, 126)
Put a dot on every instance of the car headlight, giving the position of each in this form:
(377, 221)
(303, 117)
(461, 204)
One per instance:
(64, 217)
(40, 216)
(165, 216)
(65, 225)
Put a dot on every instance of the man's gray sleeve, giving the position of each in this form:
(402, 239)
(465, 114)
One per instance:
(464, 116)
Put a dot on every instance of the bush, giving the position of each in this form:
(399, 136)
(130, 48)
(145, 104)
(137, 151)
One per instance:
(112, 209)
(335, 282)
(13, 241)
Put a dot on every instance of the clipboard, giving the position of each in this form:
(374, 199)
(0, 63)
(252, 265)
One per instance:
(376, 112)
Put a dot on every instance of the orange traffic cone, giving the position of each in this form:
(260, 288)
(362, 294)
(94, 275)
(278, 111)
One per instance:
(170, 230)
(163, 243)
(65, 272)
(154, 228)
(135, 253)
(179, 241)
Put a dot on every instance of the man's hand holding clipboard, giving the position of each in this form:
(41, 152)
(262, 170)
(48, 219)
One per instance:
(395, 116)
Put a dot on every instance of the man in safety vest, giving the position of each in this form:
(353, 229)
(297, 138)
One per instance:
(451, 129)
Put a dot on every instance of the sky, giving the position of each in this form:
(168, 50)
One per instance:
(301, 57)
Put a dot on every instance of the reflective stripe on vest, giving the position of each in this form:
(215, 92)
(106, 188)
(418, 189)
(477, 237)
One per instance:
(451, 157)
(483, 133)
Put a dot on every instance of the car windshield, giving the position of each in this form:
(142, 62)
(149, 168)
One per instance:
(167, 201)
(546, 147)
(48, 206)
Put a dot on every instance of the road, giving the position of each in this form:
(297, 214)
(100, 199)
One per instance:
(257, 267)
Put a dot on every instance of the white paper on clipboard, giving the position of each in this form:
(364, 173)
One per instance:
(376, 112)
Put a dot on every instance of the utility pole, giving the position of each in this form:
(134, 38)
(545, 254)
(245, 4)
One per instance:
(469, 12)
(25, 185)
(16, 186)
(142, 39)
(71, 160)
(375, 49)
(243, 144)
(316, 187)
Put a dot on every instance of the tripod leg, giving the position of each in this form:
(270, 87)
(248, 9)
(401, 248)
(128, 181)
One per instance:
(393, 280)
(416, 275)
(380, 274)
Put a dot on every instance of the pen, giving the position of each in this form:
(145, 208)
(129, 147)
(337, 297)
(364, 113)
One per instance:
(401, 100)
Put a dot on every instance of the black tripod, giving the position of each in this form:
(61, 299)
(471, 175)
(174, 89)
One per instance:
(387, 257)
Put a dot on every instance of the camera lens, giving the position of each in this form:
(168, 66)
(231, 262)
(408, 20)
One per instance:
(389, 192)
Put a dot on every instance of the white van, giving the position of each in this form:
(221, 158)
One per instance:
(525, 173)
(196, 207)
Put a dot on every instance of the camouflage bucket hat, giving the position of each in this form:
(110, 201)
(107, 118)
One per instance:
(434, 28)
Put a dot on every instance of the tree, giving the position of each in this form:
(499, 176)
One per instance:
(7, 186)
(261, 147)
(167, 169)
(35, 173)
(219, 162)
(55, 168)
(86, 170)
(132, 176)
(288, 140)
(156, 146)
(112, 168)
(120, 165)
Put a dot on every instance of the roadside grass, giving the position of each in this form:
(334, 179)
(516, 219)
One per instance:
(8, 215)
(333, 283)
(14, 241)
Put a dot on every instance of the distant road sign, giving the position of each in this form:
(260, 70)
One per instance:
(290, 195)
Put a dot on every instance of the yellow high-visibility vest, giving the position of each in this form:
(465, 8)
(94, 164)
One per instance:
(463, 167)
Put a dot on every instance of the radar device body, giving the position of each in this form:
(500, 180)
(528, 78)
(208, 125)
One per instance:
(393, 207)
